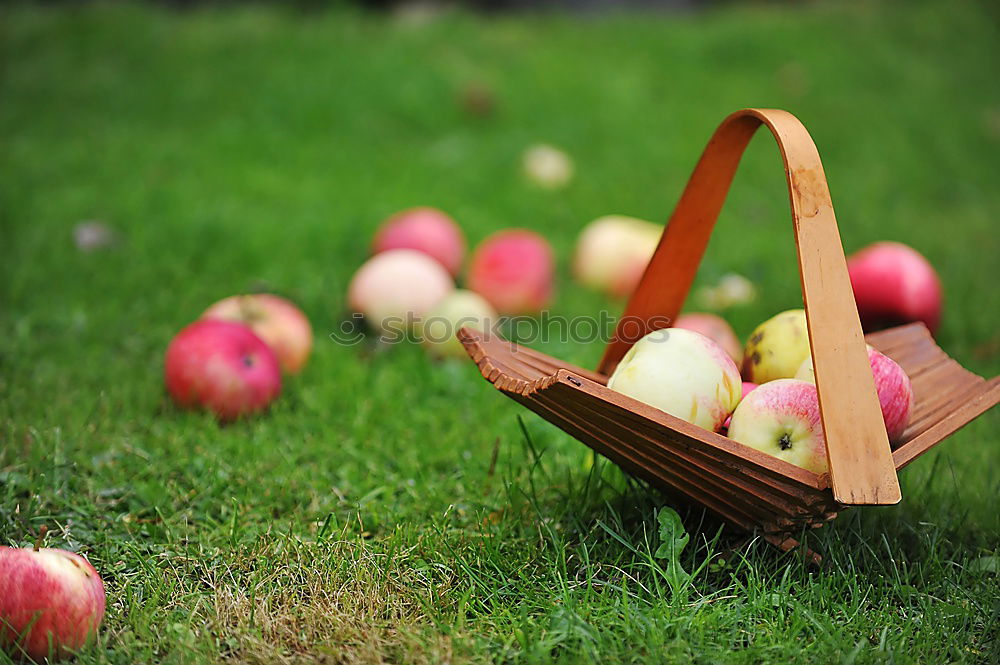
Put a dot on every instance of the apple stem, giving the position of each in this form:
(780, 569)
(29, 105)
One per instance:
(41, 536)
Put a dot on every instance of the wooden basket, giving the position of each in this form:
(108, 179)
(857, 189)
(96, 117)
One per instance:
(747, 488)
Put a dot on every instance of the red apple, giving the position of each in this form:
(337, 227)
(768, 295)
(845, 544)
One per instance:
(781, 418)
(223, 367)
(426, 230)
(396, 288)
(275, 320)
(513, 270)
(716, 329)
(51, 602)
(894, 284)
(892, 385)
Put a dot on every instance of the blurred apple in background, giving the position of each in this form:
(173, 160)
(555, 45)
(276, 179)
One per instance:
(51, 602)
(777, 347)
(894, 284)
(612, 253)
(715, 328)
(459, 308)
(895, 395)
(221, 366)
(547, 166)
(426, 230)
(394, 288)
(275, 320)
(781, 418)
(683, 373)
(513, 270)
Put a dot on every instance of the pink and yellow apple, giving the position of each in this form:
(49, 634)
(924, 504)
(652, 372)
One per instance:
(458, 309)
(426, 230)
(612, 253)
(396, 287)
(221, 366)
(51, 602)
(894, 284)
(513, 270)
(683, 373)
(781, 418)
(275, 320)
(715, 328)
(892, 385)
(777, 347)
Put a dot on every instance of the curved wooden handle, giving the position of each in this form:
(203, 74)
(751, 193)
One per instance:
(861, 467)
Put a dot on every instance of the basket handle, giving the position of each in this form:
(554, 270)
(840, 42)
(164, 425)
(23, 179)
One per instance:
(861, 466)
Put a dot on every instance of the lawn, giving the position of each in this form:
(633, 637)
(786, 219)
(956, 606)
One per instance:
(361, 519)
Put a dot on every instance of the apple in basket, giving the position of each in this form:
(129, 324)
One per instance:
(612, 253)
(895, 394)
(894, 284)
(683, 373)
(51, 602)
(275, 320)
(426, 230)
(781, 418)
(777, 347)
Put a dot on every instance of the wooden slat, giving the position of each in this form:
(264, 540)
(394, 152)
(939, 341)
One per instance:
(746, 476)
(948, 425)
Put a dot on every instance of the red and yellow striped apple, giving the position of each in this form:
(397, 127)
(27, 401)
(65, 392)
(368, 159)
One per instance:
(683, 373)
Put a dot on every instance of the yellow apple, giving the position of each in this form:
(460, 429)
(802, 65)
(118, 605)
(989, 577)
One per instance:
(777, 347)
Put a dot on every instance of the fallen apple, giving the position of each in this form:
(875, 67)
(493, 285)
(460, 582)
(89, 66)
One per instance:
(275, 320)
(513, 270)
(892, 385)
(612, 253)
(715, 328)
(426, 230)
(547, 166)
(459, 308)
(894, 284)
(781, 418)
(682, 373)
(221, 366)
(396, 287)
(51, 602)
(777, 347)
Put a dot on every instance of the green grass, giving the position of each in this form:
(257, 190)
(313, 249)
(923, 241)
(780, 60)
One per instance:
(359, 521)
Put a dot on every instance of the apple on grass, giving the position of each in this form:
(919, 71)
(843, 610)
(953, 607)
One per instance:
(275, 320)
(781, 418)
(612, 253)
(777, 347)
(51, 601)
(426, 230)
(892, 385)
(459, 308)
(223, 367)
(894, 284)
(513, 270)
(682, 373)
(715, 328)
(396, 287)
